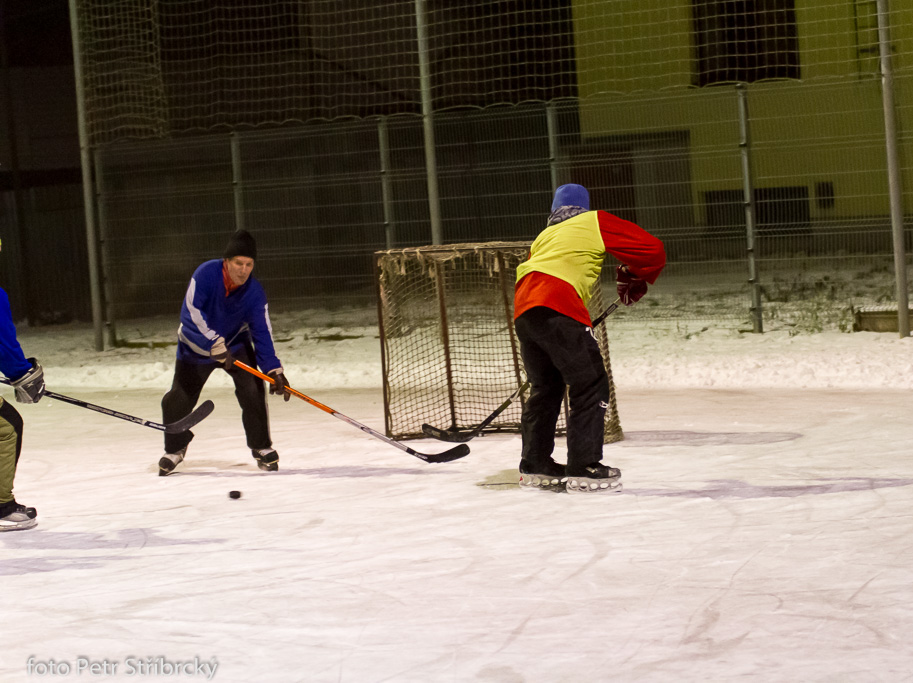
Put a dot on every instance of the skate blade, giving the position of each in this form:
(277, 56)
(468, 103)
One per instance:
(168, 464)
(539, 482)
(587, 486)
(268, 466)
(20, 526)
(166, 467)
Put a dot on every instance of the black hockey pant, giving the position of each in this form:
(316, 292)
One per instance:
(10, 447)
(187, 385)
(558, 351)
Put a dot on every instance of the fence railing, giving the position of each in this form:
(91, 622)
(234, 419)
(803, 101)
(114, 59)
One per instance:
(320, 199)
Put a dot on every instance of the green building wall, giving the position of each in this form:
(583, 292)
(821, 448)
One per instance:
(635, 61)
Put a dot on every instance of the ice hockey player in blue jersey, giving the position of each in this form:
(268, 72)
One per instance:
(224, 317)
(27, 378)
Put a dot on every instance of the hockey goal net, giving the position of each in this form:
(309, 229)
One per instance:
(449, 351)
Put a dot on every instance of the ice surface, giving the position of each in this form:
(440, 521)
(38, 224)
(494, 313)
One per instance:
(765, 531)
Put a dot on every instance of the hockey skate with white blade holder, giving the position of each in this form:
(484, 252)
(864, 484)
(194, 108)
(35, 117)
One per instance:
(549, 476)
(16, 517)
(594, 478)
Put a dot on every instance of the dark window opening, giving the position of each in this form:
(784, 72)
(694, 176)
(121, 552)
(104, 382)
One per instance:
(778, 211)
(824, 194)
(743, 41)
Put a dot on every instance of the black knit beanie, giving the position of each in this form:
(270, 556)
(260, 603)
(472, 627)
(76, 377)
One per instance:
(241, 244)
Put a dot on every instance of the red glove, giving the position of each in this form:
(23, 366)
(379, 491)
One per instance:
(631, 288)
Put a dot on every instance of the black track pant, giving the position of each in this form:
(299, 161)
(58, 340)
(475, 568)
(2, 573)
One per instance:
(558, 351)
(10, 448)
(188, 382)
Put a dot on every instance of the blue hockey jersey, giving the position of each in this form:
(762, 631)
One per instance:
(207, 314)
(12, 361)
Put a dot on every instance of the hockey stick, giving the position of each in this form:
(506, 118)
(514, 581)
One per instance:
(176, 427)
(201, 413)
(606, 313)
(462, 437)
(446, 456)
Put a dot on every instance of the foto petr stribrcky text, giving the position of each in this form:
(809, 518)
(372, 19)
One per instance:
(158, 666)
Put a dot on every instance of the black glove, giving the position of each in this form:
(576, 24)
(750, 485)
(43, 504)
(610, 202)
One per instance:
(221, 354)
(280, 384)
(631, 288)
(30, 387)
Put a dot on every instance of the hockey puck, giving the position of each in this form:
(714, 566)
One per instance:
(234, 494)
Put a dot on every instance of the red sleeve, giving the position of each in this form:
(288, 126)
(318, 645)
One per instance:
(632, 245)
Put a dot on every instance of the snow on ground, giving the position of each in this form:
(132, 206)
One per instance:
(323, 350)
(763, 532)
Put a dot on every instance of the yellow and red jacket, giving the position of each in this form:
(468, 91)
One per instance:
(566, 259)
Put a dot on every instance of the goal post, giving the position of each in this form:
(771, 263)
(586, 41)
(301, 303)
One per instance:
(449, 351)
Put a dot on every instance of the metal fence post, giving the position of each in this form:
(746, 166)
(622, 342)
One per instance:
(236, 178)
(88, 196)
(107, 284)
(386, 191)
(757, 317)
(895, 190)
(551, 125)
(434, 200)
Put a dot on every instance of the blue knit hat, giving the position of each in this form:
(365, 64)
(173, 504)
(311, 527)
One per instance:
(571, 195)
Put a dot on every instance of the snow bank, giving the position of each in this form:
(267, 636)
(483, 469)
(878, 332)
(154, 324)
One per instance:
(320, 353)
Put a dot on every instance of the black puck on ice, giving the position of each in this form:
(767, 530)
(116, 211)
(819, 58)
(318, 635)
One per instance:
(234, 494)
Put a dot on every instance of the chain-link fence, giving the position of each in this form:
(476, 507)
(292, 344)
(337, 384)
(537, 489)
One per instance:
(322, 199)
(753, 141)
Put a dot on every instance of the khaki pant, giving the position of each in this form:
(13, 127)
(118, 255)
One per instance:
(10, 447)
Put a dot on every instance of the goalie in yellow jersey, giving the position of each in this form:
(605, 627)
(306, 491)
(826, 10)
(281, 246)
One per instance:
(556, 337)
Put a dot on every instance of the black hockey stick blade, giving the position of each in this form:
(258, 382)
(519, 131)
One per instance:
(452, 436)
(454, 453)
(456, 436)
(202, 411)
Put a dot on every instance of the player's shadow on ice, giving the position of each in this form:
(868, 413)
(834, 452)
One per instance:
(732, 488)
(341, 472)
(683, 438)
(361, 472)
(41, 565)
(122, 539)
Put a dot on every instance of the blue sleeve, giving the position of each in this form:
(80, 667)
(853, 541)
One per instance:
(12, 361)
(261, 331)
(197, 312)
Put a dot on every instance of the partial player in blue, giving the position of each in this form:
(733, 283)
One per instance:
(27, 378)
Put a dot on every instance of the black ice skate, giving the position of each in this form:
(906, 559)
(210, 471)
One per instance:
(15, 517)
(594, 478)
(169, 461)
(546, 477)
(267, 459)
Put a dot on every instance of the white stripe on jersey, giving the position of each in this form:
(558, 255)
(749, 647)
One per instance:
(195, 313)
(269, 325)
